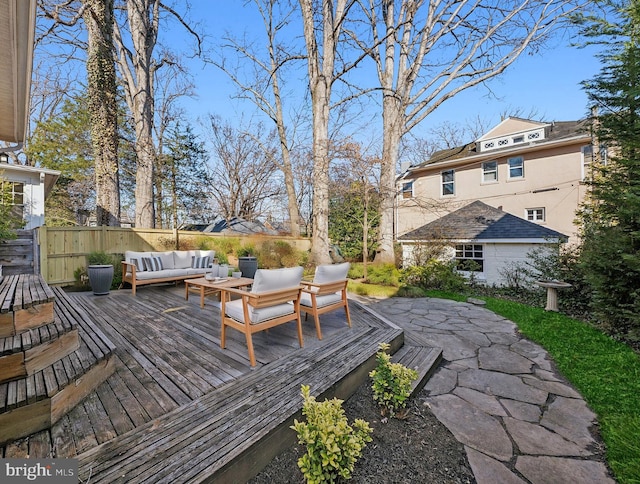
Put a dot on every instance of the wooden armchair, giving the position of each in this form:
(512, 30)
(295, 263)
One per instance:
(327, 292)
(274, 299)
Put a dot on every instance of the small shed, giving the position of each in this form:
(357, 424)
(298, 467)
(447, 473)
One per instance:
(30, 187)
(483, 239)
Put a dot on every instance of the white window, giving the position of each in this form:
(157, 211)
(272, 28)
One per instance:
(516, 167)
(407, 189)
(490, 171)
(536, 214)
(448, 182)
(14, 192)
(469, 257)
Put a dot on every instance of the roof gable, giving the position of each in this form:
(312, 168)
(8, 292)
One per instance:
(511, 126)
(479, 221)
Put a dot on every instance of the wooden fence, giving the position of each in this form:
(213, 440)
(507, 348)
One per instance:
(65, 249)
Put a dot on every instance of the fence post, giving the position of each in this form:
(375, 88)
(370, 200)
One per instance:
(103, 236)
(43, 252)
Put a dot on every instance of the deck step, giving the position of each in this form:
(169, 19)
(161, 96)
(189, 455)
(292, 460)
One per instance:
(228, 434)
(423, 359)
(35, 402)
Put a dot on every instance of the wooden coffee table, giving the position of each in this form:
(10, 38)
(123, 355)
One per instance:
(205, 287)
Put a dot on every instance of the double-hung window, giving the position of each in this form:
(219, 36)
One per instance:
(587, 160)
(448, 183)
(489, 171)
(516, 167)
(469, 257)
(14, 195)
(407, 189)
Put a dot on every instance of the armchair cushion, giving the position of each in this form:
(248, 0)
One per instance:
(321, 301)
(331, 272)
(233, 309)
(274, 279)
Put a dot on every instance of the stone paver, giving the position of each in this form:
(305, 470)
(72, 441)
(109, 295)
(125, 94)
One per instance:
(501, 396)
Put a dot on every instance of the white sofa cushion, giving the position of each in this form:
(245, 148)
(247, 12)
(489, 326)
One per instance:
(331, 272)
(191, 271)
(166, 258)
(146, 275)
(233, 309)
(274, 279)
(182, 258)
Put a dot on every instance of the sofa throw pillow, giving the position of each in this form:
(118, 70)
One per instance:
(139, 265)
(152, 263)
(200, 262)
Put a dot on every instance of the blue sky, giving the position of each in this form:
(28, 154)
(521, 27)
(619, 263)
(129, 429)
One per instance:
(547, 83)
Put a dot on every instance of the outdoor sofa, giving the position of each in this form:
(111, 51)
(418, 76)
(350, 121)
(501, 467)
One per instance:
(140, 268)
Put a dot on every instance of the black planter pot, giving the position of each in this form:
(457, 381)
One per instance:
(248, 266)
(100, 278)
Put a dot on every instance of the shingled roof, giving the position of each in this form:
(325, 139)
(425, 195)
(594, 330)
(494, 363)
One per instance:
(479, 221)
(555, 131)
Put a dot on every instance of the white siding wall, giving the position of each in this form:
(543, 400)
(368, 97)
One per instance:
(497, 257)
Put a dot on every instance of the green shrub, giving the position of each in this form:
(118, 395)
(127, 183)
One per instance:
(391, 383)
(434, 274)
(383, 274)
(224, 245)
(100, 258)
(356, 270)
(246, 251)
(332, 445)
(276, 254)
(410, 291)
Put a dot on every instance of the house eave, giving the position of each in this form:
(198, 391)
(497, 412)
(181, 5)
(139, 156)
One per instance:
(17, 31)
(536, 240)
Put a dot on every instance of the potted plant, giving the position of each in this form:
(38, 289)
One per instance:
(100, 272)
(247, 263)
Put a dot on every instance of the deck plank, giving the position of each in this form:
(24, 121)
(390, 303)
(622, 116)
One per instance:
(179, 407)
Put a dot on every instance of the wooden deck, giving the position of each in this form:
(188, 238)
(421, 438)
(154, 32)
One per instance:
(180, 409)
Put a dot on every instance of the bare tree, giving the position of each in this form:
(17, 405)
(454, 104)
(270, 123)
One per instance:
(427, 52)
(243, 173)
(264, 88)
(323, 28)
(138, 66)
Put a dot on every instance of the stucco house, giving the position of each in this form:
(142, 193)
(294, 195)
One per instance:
(492, 239)
(532, 170)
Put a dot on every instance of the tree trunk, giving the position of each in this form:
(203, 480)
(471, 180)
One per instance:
(101, 87)
(320, 239)
(392, 119)
(138, 81)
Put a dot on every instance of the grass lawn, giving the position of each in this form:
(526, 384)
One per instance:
(605, 371)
